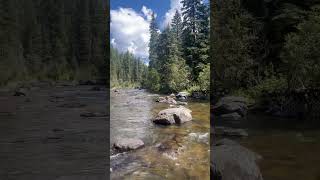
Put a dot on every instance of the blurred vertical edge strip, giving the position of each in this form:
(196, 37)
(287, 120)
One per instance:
(211, 2)
(107, 10)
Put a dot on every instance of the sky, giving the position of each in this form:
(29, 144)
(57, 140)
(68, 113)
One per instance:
(130, 19)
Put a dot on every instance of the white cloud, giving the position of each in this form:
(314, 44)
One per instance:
(147, 13)
(130, 30)
(174, 6)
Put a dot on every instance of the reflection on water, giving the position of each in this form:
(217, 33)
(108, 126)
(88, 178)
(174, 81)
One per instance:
(289, 148)
(180, 157)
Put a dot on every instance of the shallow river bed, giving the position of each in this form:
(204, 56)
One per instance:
(186, 157)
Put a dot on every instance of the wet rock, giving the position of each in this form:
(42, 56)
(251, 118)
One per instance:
(127, 144)
(229, 132)
(230, 117)
(93, 114)
(167, 99)
(171, 147)
(231, 104)
(198, 95)
(234, 162)
(20, 92)
(173, 116)
(182, 95)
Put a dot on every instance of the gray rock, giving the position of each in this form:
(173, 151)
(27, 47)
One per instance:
(167, 99)
(127, 144)
(173, 116)
(231, 104)
(231, 161)
(182, 95)
(230, 107)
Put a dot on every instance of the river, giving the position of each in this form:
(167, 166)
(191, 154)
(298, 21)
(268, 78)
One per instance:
(290, 148)
(130, 116)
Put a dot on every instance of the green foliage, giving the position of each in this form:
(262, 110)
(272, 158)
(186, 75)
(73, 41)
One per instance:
(234, 37)
(125, 69)
(270, 85)
(180, 52)
(204, 79)
(301, 52)
(52, 39)
(153, 80)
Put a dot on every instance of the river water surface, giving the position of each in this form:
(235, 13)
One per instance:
(186, 157)
(290, 148)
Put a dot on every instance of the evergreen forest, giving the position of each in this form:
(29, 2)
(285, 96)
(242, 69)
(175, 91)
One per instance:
(53, 40)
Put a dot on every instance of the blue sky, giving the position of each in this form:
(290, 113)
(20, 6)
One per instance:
(130, 20)
(159, 8)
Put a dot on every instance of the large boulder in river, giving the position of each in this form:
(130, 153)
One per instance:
(127, 144)
(231, 161)
(231, 104)
(173, 116)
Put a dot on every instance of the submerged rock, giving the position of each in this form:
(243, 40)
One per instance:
(203, 138)
(128, 144)
(229, 132)
(230, 117)
(231, 161)
(173, 116)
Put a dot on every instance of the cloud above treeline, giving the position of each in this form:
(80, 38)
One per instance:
(130, 29)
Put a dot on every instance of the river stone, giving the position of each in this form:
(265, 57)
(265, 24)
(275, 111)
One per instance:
(182, 95)
(166, 99)
(231, 104)
(231, 161)
(128, 144)
(173, 116)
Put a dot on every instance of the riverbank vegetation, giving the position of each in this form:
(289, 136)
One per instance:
(53, 40)
(126, 70)
(261, 47)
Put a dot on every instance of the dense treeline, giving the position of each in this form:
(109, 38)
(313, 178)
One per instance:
(52, 40)
(179, 54)
(264, 46)
(126, 69)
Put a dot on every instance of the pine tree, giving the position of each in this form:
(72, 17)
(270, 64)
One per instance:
(176, 27)
(154, 35)
(195, 34)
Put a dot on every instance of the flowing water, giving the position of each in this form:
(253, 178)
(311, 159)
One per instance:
(290, 149)
(187, 157)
